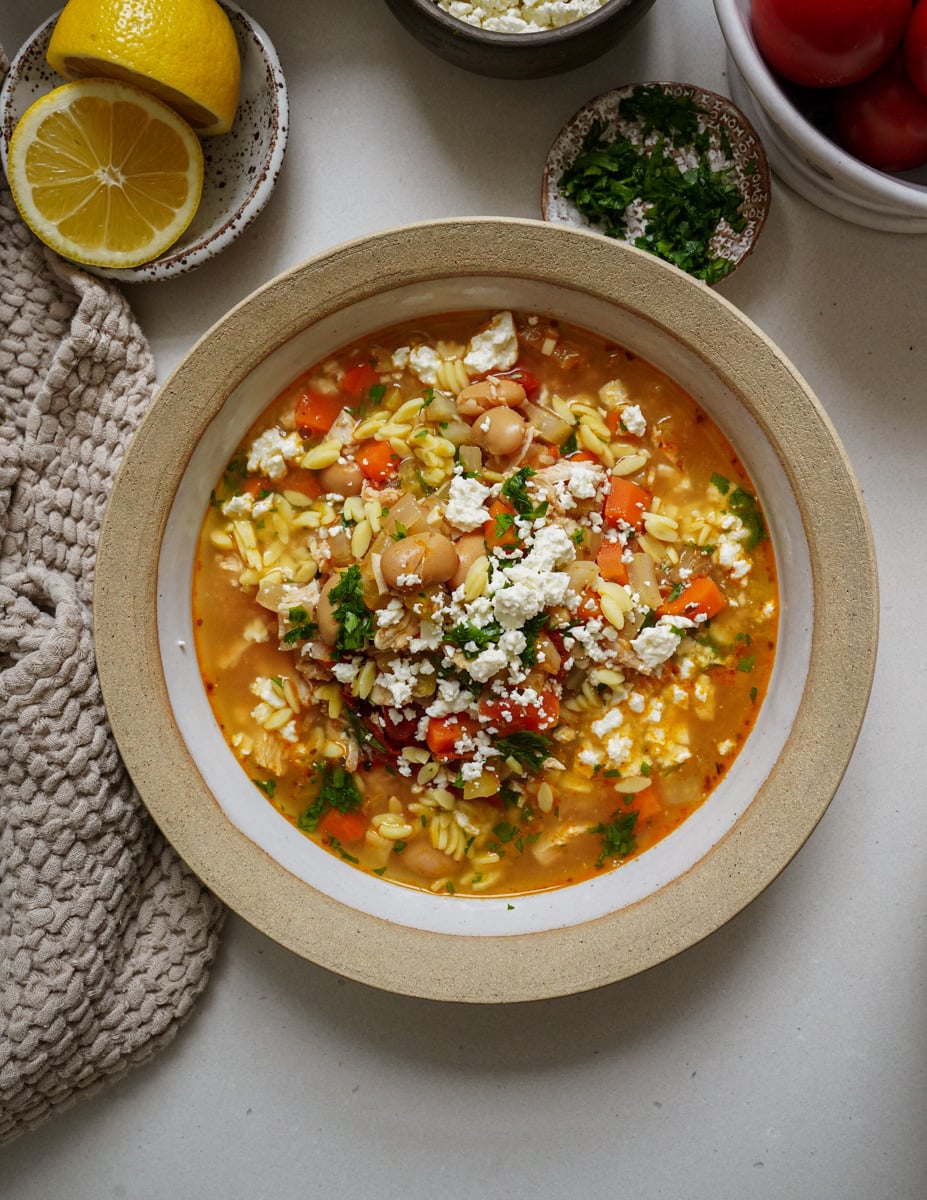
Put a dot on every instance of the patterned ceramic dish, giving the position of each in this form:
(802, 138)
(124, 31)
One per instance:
(488, 948)
(241, 166)
(731, 138)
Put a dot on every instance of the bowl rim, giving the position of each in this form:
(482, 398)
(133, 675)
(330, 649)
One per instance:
(521, 966)
(779, 109)
(181, 257)
(464, 31)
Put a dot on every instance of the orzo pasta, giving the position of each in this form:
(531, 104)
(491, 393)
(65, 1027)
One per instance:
(485, 604)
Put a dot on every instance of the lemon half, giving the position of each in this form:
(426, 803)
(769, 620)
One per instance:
(105, 173)
(183, 51)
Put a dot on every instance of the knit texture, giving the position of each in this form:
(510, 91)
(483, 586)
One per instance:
(106, 938)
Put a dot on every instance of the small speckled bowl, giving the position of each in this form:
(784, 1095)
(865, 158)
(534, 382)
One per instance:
(726, 127)
(486, 948)
(241, 166)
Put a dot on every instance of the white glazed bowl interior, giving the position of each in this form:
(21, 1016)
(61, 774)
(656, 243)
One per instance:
(802, 155)
(261, 822)
(451, 947)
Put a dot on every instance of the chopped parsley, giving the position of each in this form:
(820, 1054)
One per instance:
(268, 786)
(570, 446)
(745, 506)
(683, 208)
(355, 620)
(515, 490)
(530, 749)
(473, 639)
(336, 790)
(618, 840)
(302, 629)
(723, 485)
(532, 630)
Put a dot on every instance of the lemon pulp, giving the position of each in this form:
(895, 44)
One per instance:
(105, 173)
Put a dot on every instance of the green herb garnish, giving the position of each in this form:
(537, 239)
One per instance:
(355, 620)
(303, 630)
(336, 790)
(530, 749)
(515, 490)
(745, 506)
(682, 208)
(618, 840)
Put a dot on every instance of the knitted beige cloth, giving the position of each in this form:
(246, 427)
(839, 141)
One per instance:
(106, 938)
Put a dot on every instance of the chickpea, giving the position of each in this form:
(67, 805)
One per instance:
(423, 859)
(423, 557)
(325, 612)
(469, 548)
(342, 479)
(500, 431)
(491, 392)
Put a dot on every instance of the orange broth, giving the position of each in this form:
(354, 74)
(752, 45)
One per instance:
(477, 651)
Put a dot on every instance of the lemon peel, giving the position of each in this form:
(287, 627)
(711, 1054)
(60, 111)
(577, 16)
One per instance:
(182, 51)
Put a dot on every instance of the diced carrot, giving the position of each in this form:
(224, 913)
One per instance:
(500, 534)
(255, 484)
(343, 826)
(544, 714)
(626, 501)
(613, 420)
(316, 412)
(700, 597)
(378, 461)
(611, 564)
(359, 379)
(582, 456)
(647, 803)
(300, 480)
(444, 733)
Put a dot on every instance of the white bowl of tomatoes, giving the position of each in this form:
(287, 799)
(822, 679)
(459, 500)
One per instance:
(838, 92)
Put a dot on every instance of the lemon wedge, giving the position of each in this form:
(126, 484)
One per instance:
(105, 173)
(183, 51)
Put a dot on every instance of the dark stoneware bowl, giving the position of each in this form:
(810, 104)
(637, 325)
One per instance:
(518, 55)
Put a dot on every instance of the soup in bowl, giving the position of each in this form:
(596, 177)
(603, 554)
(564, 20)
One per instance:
(488, 648)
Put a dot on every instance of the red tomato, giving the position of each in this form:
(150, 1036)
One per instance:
(828, 43)
(882, 120)
(915, 47)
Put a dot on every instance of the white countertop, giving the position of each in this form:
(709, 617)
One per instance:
(785, 1056)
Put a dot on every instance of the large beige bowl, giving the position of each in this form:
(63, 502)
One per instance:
(451, 947)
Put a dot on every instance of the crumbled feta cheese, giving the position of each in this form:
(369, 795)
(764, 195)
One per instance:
(262, 507)
(619, 749)
(271, 452)
(636, 702)
(584, 479)
(238, 506)
(256, 631)
(658, 643)
(607, 724)
(410, 580)
(526, 16)
(391, 614)
(401, 358)
(465, 506)
(495, 348)
(424, 362)
(633, 420)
